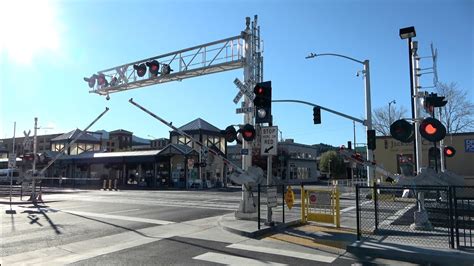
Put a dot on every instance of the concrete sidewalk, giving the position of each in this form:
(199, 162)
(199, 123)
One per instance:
(343, 241)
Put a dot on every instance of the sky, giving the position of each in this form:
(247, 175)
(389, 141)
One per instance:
(48, 47)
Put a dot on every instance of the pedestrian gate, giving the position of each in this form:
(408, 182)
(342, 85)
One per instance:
(320, 205)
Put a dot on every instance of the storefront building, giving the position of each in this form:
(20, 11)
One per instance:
(397, 157)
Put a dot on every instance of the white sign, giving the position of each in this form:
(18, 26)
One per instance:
(244, 110)
(244, 89)
(11, 161)
(271, 197)
(269, 141)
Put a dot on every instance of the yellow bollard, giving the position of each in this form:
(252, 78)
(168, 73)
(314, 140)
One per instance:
(337, 209)
(303, 214)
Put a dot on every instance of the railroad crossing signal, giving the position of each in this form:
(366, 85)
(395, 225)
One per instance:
(449, 151)
(402, 131)
(431, 129)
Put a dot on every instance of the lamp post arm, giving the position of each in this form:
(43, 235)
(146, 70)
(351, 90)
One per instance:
(338, 55)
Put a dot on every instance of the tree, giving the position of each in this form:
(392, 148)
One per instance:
(382, 118)
(332, 163)
(458, 113)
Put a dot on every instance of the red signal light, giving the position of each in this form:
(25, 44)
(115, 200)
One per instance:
(141, 69)
(449, 151)
(248, 132)
(154, 67)
(91, 81)
(102, 81)
(430, 129)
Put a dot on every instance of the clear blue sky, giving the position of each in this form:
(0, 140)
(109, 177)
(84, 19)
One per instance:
(47, 47)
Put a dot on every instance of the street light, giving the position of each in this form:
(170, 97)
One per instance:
(408, 33)
(368, 108)
(390, 112)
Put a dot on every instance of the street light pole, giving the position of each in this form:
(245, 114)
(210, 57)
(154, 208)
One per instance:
(409, 33)
(390, 111)
(368, 108)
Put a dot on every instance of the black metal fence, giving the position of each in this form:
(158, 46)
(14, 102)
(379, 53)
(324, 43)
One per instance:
(434, 216)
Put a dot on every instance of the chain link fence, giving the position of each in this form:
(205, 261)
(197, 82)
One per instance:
(419, 216)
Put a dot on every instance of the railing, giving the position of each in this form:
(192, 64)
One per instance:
(434, 216)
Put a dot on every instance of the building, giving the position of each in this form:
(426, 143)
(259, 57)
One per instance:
(397, 157)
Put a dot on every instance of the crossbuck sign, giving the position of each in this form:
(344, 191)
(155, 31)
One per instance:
(269, 141)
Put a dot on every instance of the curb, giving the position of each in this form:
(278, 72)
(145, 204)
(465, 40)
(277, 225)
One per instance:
(410, 254)
(257, 233)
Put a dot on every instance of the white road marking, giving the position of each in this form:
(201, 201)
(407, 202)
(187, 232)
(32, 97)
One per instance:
(130, 210)
(287, 253)
(86, 249)
(232, 260)
(353, 207)
(118, 217)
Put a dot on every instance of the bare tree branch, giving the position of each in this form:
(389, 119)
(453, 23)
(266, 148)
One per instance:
(382, 119)
(458, 114)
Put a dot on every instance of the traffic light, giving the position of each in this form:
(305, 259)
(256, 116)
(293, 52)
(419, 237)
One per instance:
(317, 115)
(263, 102)
(153, 67)
(248, 132)
(449, 151)
(91, 80)
(141, 69)
(101, 81)
(371, 140)
(432, 130)
(230, 134)
(402, 131)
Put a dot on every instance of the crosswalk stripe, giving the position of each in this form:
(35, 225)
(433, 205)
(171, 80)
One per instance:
(232, 260)
(118, 217)
(287, 253)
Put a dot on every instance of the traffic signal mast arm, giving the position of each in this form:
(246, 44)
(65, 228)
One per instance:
(363, 122)
(217, 56)
(185, 135)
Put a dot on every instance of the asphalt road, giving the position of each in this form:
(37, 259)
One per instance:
(141, 228)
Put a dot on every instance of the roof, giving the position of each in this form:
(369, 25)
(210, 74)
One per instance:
(73, 134)
(199, 124)
(121, 131)
(177, 149)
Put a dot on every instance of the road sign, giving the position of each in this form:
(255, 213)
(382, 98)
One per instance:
(312, 198)
(289, 198)
(269, 141)
(244, 110)
(238, 96)
(271, 197)
(244, 89)
(11, 161)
